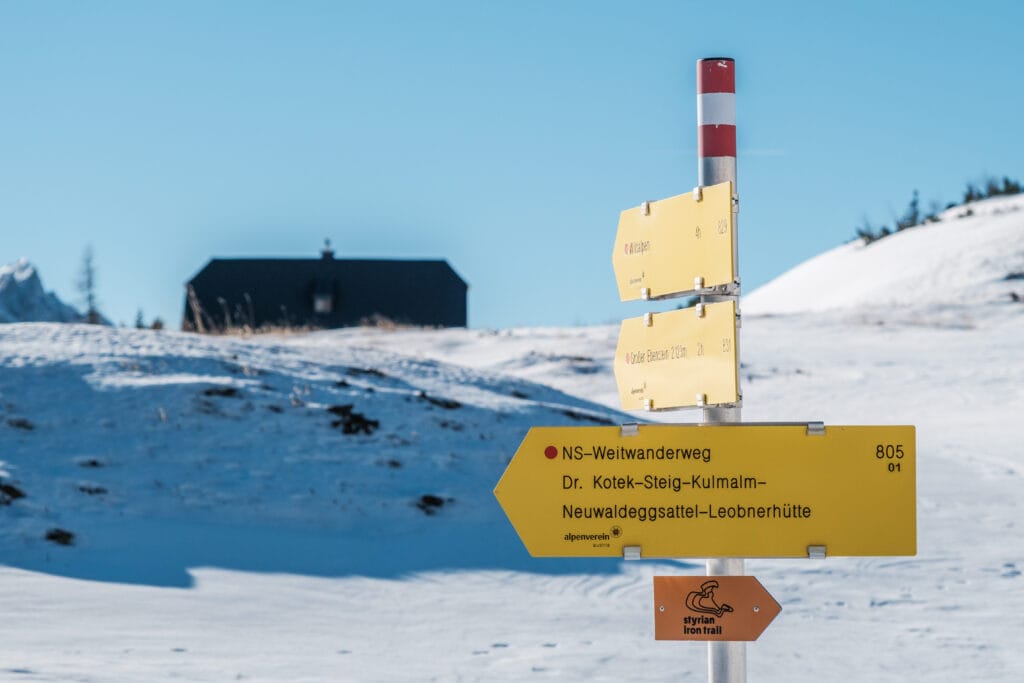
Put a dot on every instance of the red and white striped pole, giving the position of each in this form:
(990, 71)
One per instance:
(716, 128)
(716, 120)
(716, 153)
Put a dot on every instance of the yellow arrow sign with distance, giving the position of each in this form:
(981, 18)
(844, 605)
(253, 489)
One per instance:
(677, 359)
(676, 245)
(741, 490)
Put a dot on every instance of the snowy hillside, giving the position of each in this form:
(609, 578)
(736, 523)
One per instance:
(319, 507)
(23, 299)
(225, 467)
(963, 259)
(128, 426)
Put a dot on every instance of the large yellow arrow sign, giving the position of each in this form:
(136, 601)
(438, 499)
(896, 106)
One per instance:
(678, 359)
(713, 491)
(676, 245)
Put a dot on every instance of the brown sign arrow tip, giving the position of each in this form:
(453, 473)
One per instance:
(711, 608)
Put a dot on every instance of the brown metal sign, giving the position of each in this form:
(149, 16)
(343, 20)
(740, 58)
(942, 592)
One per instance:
(711, 608)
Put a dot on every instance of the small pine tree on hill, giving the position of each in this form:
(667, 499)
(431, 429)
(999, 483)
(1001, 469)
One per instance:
(87, 287)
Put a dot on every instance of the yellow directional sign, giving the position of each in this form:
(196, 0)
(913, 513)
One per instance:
(680, 358)
(676, 245)
(741, 490)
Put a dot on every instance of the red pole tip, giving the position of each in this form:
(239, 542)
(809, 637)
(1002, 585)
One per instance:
(716, 74)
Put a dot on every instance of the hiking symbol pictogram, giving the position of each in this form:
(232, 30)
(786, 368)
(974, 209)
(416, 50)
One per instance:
(704, 602)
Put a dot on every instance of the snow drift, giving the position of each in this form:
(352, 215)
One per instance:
(973, 255)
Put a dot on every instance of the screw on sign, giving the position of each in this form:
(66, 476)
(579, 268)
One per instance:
(729, 608)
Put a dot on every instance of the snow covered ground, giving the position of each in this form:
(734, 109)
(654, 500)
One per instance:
(973, 255)
(318, 507)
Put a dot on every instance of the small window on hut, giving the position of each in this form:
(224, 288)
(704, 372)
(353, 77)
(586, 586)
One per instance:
(323, 303)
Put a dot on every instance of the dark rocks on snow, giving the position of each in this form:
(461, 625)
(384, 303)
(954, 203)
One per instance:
(60, 536)
(364, 372)
(20, 423)
(9, 493)
(430, 503)
(351, 422)
(227, 392)
(446, 403)
(588, 418)
(90, 490)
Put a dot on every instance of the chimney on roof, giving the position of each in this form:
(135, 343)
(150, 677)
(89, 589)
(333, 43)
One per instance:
(327, 254)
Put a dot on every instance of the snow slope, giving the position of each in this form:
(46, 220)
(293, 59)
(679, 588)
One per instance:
(963, 259)
(129, 425)
(23, 299)
(318, 507)
(242, 536)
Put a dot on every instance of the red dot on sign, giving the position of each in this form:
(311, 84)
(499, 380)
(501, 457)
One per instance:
(550, 452)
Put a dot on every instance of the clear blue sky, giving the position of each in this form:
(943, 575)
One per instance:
(505, 137)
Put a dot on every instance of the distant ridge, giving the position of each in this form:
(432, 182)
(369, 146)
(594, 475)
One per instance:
(973, 255)
(23, 299)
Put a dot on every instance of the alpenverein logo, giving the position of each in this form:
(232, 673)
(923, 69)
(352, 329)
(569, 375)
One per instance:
(572, 537)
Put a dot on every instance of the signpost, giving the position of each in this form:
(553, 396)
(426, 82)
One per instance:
(713, 491)
(727, 608)
(679, 358)
(723, 490)
(676, 246)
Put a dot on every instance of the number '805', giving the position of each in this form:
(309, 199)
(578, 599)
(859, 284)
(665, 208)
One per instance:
(890, 452)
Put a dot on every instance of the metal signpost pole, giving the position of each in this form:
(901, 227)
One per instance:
(716, 152)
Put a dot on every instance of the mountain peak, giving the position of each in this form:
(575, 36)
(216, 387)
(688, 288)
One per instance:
(21, 270)
(23, 298)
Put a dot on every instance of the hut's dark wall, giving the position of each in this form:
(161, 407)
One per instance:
(261, 292)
